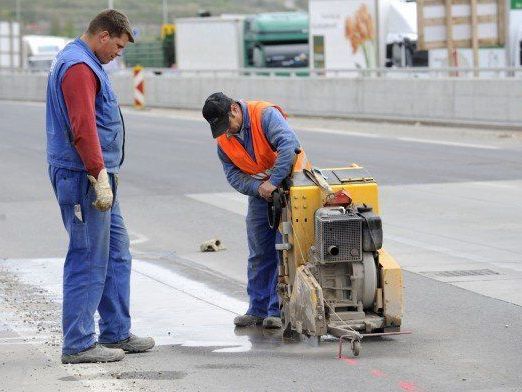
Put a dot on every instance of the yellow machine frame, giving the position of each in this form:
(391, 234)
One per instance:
(303, 201)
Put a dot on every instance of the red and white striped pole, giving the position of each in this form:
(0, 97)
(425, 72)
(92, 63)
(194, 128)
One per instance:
(139, 87)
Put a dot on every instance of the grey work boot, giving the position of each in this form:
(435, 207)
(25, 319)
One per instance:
(246, 320)
(272, 322)
(133, 344)
(96, 353)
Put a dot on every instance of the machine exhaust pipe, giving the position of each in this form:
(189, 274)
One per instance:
(333, 250)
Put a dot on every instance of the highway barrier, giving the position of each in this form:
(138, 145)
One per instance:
(484, 102)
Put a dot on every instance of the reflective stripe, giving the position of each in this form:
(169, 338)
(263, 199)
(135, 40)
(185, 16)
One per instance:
(263, 175)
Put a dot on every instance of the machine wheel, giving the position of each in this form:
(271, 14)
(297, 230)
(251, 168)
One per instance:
(356, 347)
(370, 280)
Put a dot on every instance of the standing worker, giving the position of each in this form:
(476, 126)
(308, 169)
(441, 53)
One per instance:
(85, 149)
(256, 147)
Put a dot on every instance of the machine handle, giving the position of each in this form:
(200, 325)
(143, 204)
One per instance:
(275, 208)
(300, 161)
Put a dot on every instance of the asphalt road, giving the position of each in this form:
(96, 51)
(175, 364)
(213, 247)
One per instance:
(451, 211)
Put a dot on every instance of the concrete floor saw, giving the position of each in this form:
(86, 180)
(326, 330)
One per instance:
(334, 278)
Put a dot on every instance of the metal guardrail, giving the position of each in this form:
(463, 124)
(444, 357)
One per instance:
(392, 73)
(417, 72)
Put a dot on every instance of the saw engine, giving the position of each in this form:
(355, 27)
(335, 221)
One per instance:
(342, 258)
(335, 277)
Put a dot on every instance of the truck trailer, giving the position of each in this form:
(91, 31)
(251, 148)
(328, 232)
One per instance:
(230, 42)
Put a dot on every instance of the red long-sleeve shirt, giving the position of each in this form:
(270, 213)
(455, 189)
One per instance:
(80, 86)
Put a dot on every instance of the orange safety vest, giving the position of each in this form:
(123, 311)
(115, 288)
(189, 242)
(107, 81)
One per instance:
(265, 157)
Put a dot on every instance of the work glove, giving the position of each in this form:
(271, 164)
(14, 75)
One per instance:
(103, 191)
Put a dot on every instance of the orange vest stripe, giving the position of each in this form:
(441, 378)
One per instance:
(265, 157)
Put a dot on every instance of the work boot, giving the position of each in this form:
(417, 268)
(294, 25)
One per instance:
(133, 344)
(272, 322)
(246, 320)
(96, 353)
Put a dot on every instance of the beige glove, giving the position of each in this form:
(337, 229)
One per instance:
(212, 245)
(103, 191)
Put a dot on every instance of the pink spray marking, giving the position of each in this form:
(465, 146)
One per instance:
(408, 386)
(377, 373)
(349, 361)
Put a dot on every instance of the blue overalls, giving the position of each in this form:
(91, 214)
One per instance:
(263, 259)
(98, 262)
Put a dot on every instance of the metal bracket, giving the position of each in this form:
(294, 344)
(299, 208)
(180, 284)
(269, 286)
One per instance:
(355, 343)
(284, 246)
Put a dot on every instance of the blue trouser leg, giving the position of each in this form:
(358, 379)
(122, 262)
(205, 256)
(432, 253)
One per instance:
(115, 319)
(262, 261)
(87, 263)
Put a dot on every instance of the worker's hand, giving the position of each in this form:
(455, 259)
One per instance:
(103, 191)
(266, 189)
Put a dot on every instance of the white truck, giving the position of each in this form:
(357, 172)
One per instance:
(39, 51)
(29, 52)
(210, 43)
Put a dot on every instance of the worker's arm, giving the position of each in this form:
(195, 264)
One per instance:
(240, 181)
(283, 139)
(79, 87)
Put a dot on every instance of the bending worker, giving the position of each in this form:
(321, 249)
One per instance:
(85, 139)
(256, 147)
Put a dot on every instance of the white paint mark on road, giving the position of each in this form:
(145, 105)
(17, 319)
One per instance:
(447, 143)
(227, 348)
(230, 201)
(404, 139)
(197, 290)
(500, 184)
(339, 132)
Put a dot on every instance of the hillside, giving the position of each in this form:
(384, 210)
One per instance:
(61, 17)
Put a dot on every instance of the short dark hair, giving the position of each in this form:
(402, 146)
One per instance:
(112, 21)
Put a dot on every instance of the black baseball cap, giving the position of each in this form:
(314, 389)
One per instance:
(215, 110)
